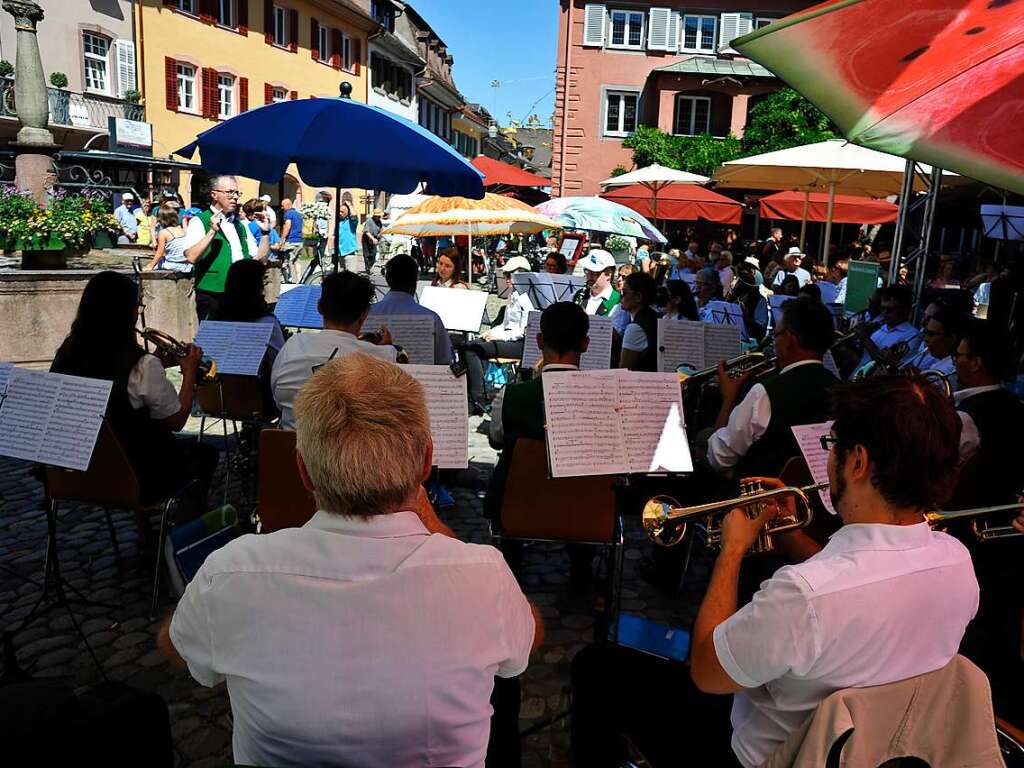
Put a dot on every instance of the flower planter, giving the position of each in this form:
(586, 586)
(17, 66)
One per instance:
(44, 252)
(102, 240)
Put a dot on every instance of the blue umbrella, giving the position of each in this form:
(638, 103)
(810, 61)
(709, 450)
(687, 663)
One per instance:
(336, 142)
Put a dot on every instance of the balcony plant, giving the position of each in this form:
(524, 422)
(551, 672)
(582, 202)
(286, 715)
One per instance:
(58, 80)
(6, 68)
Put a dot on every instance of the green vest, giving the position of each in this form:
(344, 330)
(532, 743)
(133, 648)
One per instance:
(212, 267)
(582, 296)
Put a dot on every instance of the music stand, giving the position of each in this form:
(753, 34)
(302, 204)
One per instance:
(1003, 222)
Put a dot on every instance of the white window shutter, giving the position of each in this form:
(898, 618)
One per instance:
(594, 24)
(674, 25)
(731, 26)
(125, 55)
(658, 29)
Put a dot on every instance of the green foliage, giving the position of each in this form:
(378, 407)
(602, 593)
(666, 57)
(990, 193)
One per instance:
(782, 120)
(695, 154)
(132, 96)
(73, 218)
(58, 80)
(619, 170)
(651, 146)
(615, 243)
(6, 68)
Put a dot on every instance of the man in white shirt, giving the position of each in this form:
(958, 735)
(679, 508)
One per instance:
(598, 297)
(884, 600)
(941, 332)
(370, 636)
(897, 335)
(344, 303)
(401, 273)
(271, 214)
(791, 266)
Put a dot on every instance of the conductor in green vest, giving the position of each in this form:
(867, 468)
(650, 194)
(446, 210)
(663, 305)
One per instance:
(753, 437)
(215, 239)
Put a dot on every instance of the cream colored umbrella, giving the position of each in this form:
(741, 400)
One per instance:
(449, 216)
(654, 177)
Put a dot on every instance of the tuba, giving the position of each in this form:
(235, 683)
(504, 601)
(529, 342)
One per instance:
(170, 348)
(664, 520)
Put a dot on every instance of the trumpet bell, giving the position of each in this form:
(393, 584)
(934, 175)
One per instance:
(659, 525)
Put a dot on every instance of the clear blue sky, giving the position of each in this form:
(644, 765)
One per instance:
(512, 41)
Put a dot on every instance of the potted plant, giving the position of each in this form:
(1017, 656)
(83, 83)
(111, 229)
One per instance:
(60, 99)
(618, 247)
(133, 109)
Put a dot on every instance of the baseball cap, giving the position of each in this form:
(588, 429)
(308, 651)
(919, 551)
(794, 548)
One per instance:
(516, 262)
(597, 260)
(752, 261)
(127, 196)
(265, 198)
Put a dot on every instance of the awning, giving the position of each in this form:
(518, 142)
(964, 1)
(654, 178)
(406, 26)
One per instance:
(704, 65)
(678, 202)
(496, 172)
(848, 209)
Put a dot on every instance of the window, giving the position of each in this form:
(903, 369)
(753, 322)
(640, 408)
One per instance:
(383, 13)
(225, 96)
(693, 115)
(186, 88)
(762, 21)
(393, 80)
(322, 44)
(465, 144)
(627, 29)
(279, 94)
(281, 27)
(346, 53)
(96, 49)
(699, 33)
(619, 113)
(188, 6)
(226, 15)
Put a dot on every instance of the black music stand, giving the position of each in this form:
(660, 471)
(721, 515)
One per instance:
(1003, 222)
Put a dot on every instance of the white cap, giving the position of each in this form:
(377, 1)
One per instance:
(597, 260)
(127, 196)
(265, 198)
(752, 260)
(516, 262)
(795, 251)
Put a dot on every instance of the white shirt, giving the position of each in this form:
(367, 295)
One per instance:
(496, 429)
(594, 302)
(747, 423)
(879, 603)
(517, 314)
(297, 358)
(149, 387)
(970, 438)
(634, 339)
(402, 303)
(886, 337)
(924, 360)
(355, 642)
(802, 276)
(196, 231)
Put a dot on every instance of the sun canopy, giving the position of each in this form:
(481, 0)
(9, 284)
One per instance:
(940, 82)
(494, 215)
(847, 209)
(498, 173)
(596, 214)
(654, 176)
(678, 202)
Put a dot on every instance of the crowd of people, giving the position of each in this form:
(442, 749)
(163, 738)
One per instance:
(372, 636)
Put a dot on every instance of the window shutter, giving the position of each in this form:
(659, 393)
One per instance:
(243, 94)
(208, 11)
(171, 82)
(674, 24)
(124, 51)
(314, 40)
(658, 29)
(243, 17)
(294, 95)
(593, 24)
(268, 93)
(209, 93)
(268, 21)
(336, 43)
(357, 54)
(731, 26)
(293, 30)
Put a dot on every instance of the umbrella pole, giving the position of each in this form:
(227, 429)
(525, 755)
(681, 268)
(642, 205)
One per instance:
(336, 258)
(803, 222)
(828, 222)
(469, 257)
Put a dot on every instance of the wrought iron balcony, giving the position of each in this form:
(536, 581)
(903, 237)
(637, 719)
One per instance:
(77, 110)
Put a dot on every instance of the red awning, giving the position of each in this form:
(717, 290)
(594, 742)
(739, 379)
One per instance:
(848, 209)
(497, 172)
(678, 202)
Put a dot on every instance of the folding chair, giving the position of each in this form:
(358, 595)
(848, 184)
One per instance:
(109, 482)
(576, 510)
(282, 501)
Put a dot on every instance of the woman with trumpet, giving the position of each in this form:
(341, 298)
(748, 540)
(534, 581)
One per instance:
(144, 410)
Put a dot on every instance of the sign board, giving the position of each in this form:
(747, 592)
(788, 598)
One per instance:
(861, 281)
(132, 137)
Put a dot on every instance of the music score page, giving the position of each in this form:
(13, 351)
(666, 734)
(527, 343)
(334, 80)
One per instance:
(808, 437)
(414, 333)
(446, 404)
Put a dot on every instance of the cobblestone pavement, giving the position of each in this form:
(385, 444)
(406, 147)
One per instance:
(123, 636)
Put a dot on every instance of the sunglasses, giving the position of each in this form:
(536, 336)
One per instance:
(827, 441)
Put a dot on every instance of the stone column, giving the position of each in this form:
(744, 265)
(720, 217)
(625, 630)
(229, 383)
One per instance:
(34, 146)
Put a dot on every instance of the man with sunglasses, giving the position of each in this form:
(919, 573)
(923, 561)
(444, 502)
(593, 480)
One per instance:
(215, 239)
(897, 335)
(941, 332)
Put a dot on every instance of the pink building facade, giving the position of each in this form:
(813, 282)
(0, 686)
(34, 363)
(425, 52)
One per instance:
(668, 65)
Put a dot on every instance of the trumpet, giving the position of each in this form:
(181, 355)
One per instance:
(377, 337)
(982, 529)
(170, 348)
(665, 521)
(757, 364)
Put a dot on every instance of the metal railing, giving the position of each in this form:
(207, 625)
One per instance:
(77, 110)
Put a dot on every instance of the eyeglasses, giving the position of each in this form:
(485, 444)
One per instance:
(229, 192)
(827, 441)
(957, 354)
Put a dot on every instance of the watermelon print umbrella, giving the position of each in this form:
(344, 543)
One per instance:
(940, 81)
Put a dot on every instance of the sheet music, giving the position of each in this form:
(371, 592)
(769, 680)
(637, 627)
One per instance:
(237, 348)
(830, 364)
(808, 437)
(653, 423)
(460, 310)
(531, 353)
(721, 342)
(446, 403)
(775, 302)
(598, 356)
(297, 307)
(583, 426)
(414, 333)
(380, 287)
(52, 418)
(5, 375)
(680, 342)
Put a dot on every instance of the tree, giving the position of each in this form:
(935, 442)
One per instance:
(618, 170)
(782, 120)
(696, 154)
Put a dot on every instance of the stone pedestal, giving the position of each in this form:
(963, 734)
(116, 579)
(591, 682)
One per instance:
(33, 170)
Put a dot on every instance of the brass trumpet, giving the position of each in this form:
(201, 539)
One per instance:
(170, 348)
(982, 529)
(665, 521)
(755, 363)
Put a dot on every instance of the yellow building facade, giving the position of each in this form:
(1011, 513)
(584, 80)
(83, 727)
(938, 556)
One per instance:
(203, 61)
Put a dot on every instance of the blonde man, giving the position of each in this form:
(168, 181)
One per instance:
(370, 636)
